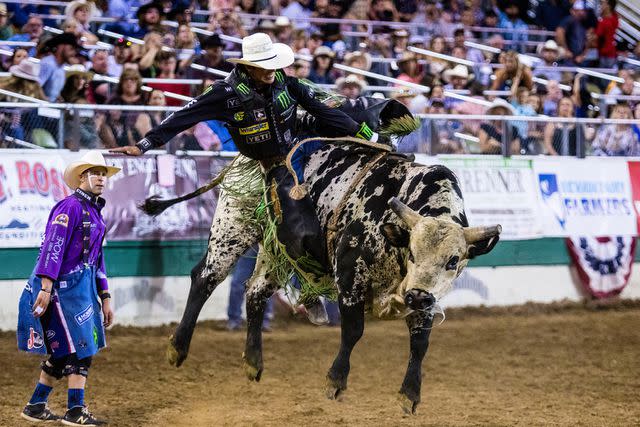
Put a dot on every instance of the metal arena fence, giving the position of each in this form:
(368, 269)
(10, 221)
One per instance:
(80, 126)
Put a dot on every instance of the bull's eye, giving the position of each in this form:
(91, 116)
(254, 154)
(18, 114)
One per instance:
(453, 263)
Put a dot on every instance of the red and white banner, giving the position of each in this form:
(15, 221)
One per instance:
(29, 187)
(603, 263)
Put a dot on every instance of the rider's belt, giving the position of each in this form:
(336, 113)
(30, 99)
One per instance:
(271, 162)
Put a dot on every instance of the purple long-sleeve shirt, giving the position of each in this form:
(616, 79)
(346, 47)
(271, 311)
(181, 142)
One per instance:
(61, 250)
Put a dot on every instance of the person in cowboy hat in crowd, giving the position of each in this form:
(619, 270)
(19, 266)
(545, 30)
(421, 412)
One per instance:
(23, 80)
(63, 49)
(351, 87)
(258, 103)
(457, 79)
(59, 313)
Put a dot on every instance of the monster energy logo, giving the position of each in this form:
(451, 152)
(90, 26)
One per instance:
(243, 88)
(283, 99)
(279, 77)
(95, 335)
(365, 132)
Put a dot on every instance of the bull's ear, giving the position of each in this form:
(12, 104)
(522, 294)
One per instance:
(395, 235)
(481, 247)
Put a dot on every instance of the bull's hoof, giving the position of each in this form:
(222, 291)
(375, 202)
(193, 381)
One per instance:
(408, 406)
(334, 389)
(174, 356)
(252, 370)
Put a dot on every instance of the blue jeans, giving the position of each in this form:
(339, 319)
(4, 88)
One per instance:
(241, 274)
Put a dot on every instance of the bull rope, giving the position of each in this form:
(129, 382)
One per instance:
(298, 191)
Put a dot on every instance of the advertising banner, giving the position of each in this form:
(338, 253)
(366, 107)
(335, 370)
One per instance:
(497, 191)
(585, 197)
(30, 185)
(139, 180)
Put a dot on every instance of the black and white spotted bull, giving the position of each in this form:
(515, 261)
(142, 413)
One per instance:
(400, 240)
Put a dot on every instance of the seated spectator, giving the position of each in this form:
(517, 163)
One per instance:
(299, 42)
(31, 32)
(617, 139)
(82, 11)
(98, 90)
(149, 17)
(460, 35)
(442, 135)
(150, 119)
(553, 96)
(350, 86)
(228, 23)
(301, 69)
(554, 131)
(82, 127)
(322, 65)
(606, 32)
(457, 79)
(509, 19)
(284, 30)
(211, 58)
(122, 53)
(150, 49)
(359, 60)
(166, 64)
(187, 45)
(399, 42)
(627, 88)
(23, 80)
(550, 54)
(431, 23)
(471, 108)
(437, 65)
(118, 127)
(63, 49)
(571, 34)
(491, 133)
(19, 53)
(181, 14)
(408, 67)
(512, 70)
(6, 29)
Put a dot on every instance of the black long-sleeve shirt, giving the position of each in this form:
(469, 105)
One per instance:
(263, 126)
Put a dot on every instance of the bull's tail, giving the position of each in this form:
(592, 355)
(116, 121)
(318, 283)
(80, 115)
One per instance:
(155, 206)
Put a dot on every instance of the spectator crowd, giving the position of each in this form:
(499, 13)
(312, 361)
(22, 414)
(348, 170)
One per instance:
(472, 57)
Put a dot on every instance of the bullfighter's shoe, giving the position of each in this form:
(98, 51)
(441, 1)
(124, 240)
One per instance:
(80, 416)
(39, 413)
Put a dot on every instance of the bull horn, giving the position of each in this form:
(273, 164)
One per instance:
(404, 212)
(476, 234)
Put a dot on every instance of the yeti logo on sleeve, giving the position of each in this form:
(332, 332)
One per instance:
(233, 102)
(84, 315)
(61, 219)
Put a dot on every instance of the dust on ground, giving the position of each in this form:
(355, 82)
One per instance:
(556, 365)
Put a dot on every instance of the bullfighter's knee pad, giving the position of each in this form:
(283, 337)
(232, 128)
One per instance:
(54, 367)
(77, 366)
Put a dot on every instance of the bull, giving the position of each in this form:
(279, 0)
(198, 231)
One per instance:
(398, 237)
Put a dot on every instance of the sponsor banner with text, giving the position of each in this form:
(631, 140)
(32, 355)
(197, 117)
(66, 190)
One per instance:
(30, 185)
(497, 190)
(585, 197)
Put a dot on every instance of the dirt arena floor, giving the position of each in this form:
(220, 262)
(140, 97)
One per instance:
(571, 365)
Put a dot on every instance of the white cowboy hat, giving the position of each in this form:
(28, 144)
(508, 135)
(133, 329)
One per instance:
(500, 103)
(74, 5)
(26, 70)
(259, 51)
(457, 71)
(351, 79)
(91, 159)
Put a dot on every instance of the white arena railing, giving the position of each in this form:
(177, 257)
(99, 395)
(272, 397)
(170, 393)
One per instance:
(62, 122)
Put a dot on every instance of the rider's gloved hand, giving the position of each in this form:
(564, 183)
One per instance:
(365, 132)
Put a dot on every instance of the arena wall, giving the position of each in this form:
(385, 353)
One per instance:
(150, 282)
